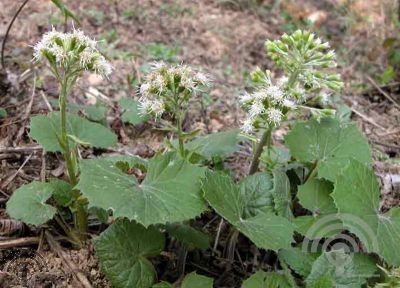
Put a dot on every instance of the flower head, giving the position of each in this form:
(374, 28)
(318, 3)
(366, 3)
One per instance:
(247, 126)
(72, 50)
(165, 85)
(274, 116)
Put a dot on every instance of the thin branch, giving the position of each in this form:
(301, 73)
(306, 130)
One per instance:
(3, 45)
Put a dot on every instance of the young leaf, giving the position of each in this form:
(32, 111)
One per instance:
(301, 262)
(341, 270)
(46, 131)
(265, 229)
(193, 280)
(188, 235)
(132, 113)
(123, 250)
(28, 203)
(331, 143)
(356, 196)
(169, 193)
(263, 279)
(218, 144)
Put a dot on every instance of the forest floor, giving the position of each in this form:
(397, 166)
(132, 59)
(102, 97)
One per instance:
(225, 39)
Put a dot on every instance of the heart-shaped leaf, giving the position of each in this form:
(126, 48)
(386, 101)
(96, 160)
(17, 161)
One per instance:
(28, 203)
(356, 196)
(169, 193)
(46, 131)
(123, 250)
(331, 143)
(265, 229)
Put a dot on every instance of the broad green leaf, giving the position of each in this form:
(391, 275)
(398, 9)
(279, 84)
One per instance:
(188, 235)
(300, 261)
(28, 203)
(169, 193)
(123, 250)
(256, 192)
(215, 145)
(194, 280)
(132, 113)
(265, 229)
(341, 270)
(356, 196)
(314, 195)
(281, 194)
(263, 279)
(46, 131)
(331, 143)
(318, 226)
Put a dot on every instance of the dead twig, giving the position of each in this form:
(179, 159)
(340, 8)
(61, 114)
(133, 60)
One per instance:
(389, 133)
(26, 149)
(26, 241)
(43, 168)
(367, 119)
(69, 265)
(386, 145)
(46, 101)
(383, 92)
(11, 178)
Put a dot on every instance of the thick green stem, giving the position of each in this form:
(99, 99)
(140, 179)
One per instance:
(81, 220)
(265, 139)
(81, 214)
(180, 138)
(64, 135)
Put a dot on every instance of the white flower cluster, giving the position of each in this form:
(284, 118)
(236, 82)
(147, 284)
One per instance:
(267, 104)
(165, 85)
(73, 49)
